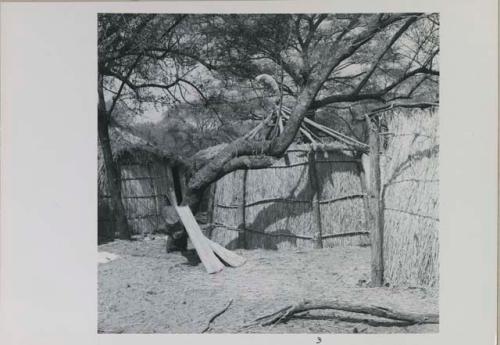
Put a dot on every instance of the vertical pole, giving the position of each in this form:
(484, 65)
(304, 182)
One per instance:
(313, 176)
(375, 221)
(153, 182)
(125, 200)
(182, 180)
(211, 203)
(242, 238)
(366, 200)
(211, 208)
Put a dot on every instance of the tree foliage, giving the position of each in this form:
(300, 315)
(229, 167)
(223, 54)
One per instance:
(203, 70)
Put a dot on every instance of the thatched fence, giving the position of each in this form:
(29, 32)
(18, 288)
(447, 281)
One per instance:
(307, 199)
(410, 177)
(314, 198)
(317, 199)
(144, 180)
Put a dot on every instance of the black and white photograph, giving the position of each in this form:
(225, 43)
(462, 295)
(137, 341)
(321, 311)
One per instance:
(268, 173)
(249, 172)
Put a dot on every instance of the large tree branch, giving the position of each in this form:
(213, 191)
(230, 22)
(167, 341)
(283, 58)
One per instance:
(284, 314)
(354, 43)
(358, 42)
(351, 97)
(420, 105)
(417, 71)
(209, 170)
(125, 80)
(313, 26)
(194, 57)
(296, 77)
(202, 95)
(176, 22)
(156, 85)
(246, 153)
(393, 40)
(378, 96)
(297, 32)
(215, 161)
(120, 89)
(248, 162)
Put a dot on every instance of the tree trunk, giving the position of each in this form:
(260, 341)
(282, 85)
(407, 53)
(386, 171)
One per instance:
(244, 153)
(112, 172)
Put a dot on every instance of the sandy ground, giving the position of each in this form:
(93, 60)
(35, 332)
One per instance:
(146, 290)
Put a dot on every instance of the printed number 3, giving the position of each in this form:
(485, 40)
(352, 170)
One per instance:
(318, 340)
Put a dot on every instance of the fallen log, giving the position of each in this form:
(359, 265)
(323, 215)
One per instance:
(287, 312)
(368, 320)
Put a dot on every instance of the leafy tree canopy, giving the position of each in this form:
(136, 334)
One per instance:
(212, 75)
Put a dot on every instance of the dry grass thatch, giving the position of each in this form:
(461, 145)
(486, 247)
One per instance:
(279, 209)
(411, 198)
(144, 181)
(279, 202)
(144, 195)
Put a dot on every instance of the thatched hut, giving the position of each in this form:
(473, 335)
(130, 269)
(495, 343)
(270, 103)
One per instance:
(146, 173)
(316, 198)
(309, 198)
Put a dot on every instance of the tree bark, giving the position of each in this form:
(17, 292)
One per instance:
(112, 171)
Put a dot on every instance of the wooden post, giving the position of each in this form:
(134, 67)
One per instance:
(153, 182)
(183, 183)
(211, 209)
(366, 200)
(211, 203)
(376, 226)
(242, 238)
(313, 176)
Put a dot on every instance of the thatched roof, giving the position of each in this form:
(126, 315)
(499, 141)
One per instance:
(144, 155)
(130, 148)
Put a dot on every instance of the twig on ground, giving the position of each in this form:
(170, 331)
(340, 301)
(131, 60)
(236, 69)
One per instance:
(216, 315)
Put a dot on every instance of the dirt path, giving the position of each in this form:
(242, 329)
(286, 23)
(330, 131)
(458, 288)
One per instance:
(146, 290)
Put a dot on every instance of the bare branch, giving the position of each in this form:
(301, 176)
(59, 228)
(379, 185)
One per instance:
(120, 89)
(394, 38)
(421, 105)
